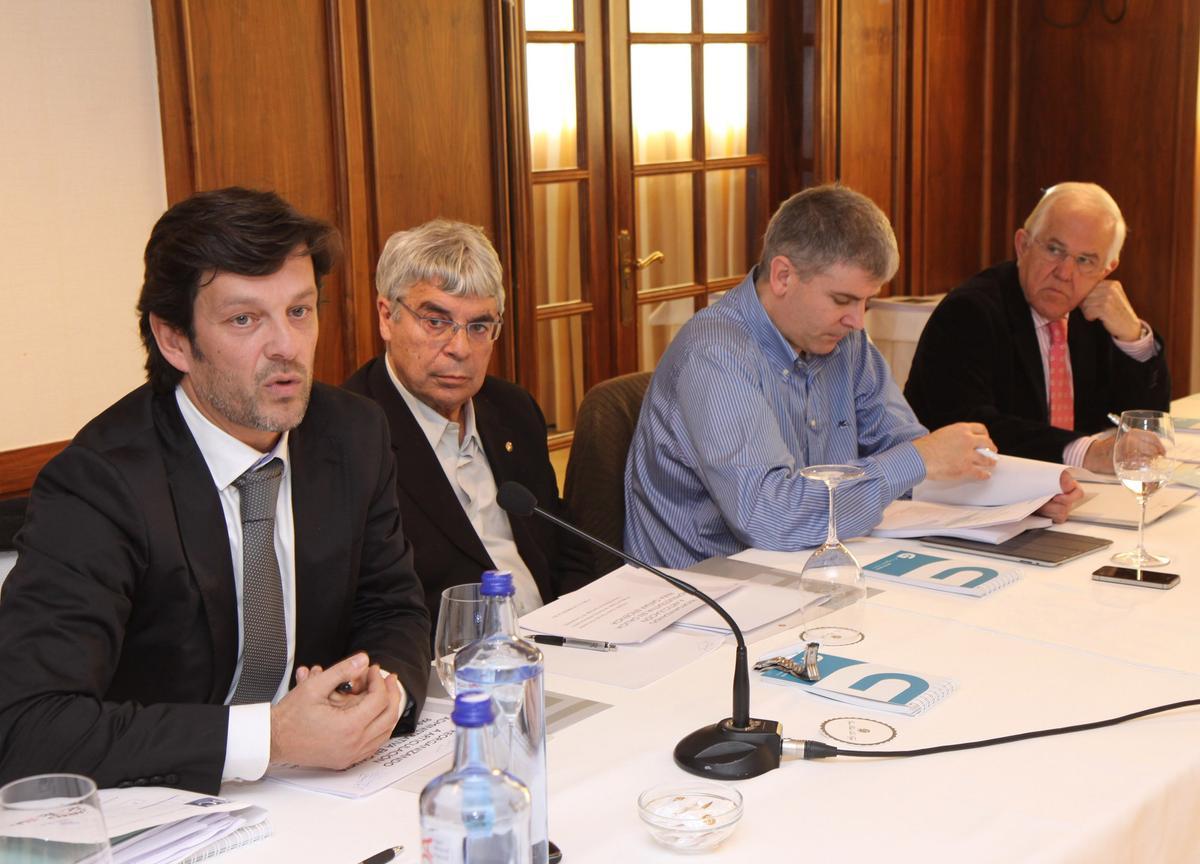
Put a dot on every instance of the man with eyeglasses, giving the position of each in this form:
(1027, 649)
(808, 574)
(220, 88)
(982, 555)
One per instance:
(1040, 350)
(457, 432)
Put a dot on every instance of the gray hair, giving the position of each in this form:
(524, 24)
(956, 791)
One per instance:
(453, 256)
(827, 225)
(1089, 195)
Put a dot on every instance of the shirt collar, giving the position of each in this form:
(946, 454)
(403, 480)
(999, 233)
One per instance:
(767, 335)
(227, 457)
(433, 424)
(1039, 322)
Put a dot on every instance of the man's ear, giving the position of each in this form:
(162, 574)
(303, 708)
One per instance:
(172, 343)
(780, 269)
(1021, 242)
(384, 307)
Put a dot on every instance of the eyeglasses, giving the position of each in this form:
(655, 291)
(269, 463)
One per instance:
(1085, 265)
(444, 328)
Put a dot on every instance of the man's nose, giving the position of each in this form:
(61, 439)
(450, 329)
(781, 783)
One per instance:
(459, 343)
(284, 342)
(856, 316)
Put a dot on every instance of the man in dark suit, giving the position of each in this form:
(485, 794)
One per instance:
(459, 433)
(1042, 349)
(214, 530)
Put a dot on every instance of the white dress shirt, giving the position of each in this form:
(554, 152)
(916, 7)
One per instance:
(248, 746)
(466, 468)
(1140, 349)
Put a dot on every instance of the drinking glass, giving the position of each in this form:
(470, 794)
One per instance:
(1141, 463)
(831, 569)
(460, 622)
(52, 818)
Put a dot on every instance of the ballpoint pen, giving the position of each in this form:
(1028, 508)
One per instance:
(569, 642)
(383, 857)
(1114, 419)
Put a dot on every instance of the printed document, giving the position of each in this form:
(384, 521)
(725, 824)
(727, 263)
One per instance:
(1013, 480)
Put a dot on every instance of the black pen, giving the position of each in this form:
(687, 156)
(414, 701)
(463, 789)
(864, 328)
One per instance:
(570, 642)
(383, 857)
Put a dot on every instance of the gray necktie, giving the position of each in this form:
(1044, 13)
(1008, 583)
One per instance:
(264, 648)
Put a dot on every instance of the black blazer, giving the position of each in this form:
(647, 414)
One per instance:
(118, 625)
(978, 359)
(448, 551)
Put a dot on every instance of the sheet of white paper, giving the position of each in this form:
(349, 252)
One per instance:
(1013, 480)
(918, 518)
(170, 843)
(1116, 505)
(1186, 448)
(626, 606)
(632, 666)
(752, 605)
(399, 757)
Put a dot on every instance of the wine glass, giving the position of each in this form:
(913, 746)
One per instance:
(831, 569)
(1141, 464)
(52, 818)
(460, 622)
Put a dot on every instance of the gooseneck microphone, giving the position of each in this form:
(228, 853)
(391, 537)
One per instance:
(733, 749)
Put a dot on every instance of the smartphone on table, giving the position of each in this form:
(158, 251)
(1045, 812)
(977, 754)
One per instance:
(1130, 576)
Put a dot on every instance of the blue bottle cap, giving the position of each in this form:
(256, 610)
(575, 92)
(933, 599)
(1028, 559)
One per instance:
(472, 708)
(496, 583)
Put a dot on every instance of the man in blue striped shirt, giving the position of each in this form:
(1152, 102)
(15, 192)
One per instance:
(776, 376)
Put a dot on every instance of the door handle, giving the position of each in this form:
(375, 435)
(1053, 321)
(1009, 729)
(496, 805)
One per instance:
(630, 264)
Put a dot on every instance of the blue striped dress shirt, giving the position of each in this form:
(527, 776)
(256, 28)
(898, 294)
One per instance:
(733, 414)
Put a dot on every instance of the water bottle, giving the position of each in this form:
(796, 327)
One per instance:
(509, 669)
(474, 813)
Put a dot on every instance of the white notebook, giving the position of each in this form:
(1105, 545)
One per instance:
(866, 685)
(938, 573)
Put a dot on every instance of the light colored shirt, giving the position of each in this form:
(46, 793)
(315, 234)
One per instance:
(1141, 349)
(732, 415)
(470, 476)
(248, 745)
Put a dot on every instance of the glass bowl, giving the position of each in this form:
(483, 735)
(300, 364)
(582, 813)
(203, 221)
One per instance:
(690, 816)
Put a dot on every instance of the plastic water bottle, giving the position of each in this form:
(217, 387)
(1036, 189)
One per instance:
(474, 813)
(509, 669)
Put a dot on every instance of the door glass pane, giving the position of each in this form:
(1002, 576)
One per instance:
(560, 356)
(657, 325)
(557, 242)
(663, 210)
(731, 204)
(661, 84)
(549, 15)
(660, 16)
(724, 16)
(550, 73)
(725, 100)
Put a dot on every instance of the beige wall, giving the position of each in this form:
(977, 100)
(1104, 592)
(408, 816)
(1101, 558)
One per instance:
(81, 183)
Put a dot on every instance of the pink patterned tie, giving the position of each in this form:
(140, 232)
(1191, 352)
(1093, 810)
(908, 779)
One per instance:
(1062, 394)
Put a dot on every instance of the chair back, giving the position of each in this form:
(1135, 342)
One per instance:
(595, 485)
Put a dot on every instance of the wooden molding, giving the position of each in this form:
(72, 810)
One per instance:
(19, 468)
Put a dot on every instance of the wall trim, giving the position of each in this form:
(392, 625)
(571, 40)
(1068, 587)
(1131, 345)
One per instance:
(19, 468)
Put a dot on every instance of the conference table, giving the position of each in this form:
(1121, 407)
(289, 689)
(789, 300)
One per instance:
(1053, 649)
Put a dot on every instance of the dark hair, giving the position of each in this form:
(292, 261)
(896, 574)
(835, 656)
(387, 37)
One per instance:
(827, 225)
(232, 230)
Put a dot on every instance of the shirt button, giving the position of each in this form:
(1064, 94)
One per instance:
(812, 424)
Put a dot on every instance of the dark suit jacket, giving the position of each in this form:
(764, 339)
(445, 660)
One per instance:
(118, 625)
(978, 359)
(448, 551)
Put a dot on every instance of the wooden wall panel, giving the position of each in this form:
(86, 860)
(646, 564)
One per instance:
(867, 100)
(248, 97)
(1114, 103)
(430, 113)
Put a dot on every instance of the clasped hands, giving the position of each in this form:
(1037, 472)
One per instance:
(321, 723)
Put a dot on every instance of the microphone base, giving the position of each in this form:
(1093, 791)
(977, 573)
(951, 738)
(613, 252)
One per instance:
(725, 752)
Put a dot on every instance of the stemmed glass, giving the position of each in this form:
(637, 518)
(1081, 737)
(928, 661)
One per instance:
(831, 569)
(1141, 464)
(460, 622)
(52, 818)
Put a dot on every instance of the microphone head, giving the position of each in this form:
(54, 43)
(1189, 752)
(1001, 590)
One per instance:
(515, 498)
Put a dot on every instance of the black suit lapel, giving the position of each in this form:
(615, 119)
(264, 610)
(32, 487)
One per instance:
(1084, 368)
(203, 535)
(418, 472)
(1029, 355)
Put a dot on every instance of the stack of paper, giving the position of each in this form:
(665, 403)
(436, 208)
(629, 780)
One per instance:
(157, 825)
(988, 524)
(752, 605)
